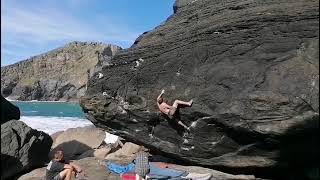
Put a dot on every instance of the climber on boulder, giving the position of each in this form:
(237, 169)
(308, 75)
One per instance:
(170, 111)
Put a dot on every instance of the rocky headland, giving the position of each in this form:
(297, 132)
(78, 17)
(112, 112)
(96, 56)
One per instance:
(252, 69)
(59, 75)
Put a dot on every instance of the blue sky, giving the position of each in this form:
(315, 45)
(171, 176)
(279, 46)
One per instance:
(32, 27)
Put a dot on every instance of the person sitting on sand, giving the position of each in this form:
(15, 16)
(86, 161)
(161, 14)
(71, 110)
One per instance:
(57, 169)
(170, 111)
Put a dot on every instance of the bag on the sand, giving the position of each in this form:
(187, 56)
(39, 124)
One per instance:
(128, 176)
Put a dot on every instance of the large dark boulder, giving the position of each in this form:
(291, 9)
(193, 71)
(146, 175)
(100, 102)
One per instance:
(22, 148)
(8, 111)
(252, 68)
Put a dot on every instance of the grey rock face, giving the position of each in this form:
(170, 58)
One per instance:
(90, 166)
(8, 111)
(182, 3)
(75, 141)
(252, 69)
(60, 74)
(22, 148)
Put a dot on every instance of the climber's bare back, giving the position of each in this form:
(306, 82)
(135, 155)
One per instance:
(164, 108)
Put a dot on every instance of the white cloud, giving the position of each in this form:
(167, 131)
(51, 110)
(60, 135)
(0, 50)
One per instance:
(36, 28)
(37, 25)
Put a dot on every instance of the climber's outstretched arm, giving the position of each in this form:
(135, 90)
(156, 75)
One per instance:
(162, 92)
(160, 97)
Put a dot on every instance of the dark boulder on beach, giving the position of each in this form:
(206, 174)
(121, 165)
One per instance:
(252, 69)
(22, 148)
(8, 111)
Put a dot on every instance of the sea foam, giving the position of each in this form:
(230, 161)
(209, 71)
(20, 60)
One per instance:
(52, 124)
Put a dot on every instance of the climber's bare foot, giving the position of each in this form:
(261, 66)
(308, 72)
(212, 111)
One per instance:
(190, 102)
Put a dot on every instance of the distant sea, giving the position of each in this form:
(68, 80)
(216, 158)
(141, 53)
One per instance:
(51, 117)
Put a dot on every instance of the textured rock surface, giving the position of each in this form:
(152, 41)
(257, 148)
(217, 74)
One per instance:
(252, 68)
(60, 74)
(36, 174)
(90, 165)
(22, 148)
(216, 175)
(76, 141)
(100, 153)
(178, 4)
(8, 111)
(125, 154)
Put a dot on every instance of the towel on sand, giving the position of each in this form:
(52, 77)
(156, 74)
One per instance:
(118, 169)
(172, 173)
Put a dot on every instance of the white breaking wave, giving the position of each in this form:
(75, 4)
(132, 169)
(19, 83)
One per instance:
(31, 111)
(52, 124)
(8, 99)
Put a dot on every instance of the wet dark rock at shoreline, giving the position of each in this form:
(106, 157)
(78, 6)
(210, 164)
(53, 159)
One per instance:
(8, 111)
(22, 148)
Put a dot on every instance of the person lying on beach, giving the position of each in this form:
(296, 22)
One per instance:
(170, 111)
(57, 169)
